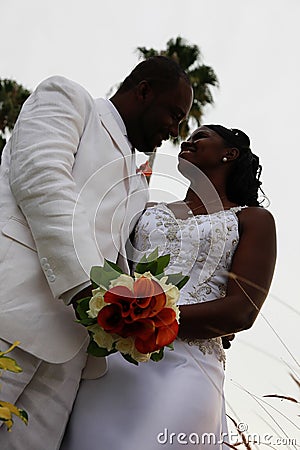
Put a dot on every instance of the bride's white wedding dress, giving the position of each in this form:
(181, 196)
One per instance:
(178, 402)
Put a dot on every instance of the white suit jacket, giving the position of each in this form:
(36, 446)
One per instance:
(69, 196)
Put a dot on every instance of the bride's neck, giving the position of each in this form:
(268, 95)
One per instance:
(195, 197)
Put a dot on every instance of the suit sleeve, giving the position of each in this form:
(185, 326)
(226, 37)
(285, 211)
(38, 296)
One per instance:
(44, 144)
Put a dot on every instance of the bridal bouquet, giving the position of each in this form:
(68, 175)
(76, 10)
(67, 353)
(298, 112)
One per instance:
(134, 315)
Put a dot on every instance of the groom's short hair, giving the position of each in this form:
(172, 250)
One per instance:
(160, 72)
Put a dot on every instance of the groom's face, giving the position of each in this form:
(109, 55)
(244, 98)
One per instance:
(161, 116)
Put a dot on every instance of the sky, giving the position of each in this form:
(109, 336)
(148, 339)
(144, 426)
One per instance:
(253, 46)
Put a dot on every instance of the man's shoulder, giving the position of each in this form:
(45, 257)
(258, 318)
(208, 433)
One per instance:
(60, 80)
(61, 84)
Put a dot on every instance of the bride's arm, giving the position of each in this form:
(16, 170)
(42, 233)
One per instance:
(253, 261)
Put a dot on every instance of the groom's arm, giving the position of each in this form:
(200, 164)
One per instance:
(44, 144)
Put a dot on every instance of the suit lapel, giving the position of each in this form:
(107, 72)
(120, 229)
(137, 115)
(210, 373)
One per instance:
(137, 183)
(113, 129)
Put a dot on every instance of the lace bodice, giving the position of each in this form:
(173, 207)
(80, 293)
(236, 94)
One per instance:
(200, 246)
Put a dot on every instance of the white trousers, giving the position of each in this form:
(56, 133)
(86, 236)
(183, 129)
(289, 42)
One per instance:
(47, 392)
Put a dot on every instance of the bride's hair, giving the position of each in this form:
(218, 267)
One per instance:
(243, 184)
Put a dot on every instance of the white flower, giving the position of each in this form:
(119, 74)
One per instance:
(97, 302)
(140, 357)
(102, 338)
(172, 295)
(145, 275)
(125, 345)
(123, 280)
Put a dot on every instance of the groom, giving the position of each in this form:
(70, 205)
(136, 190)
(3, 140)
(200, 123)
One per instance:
(69, 193)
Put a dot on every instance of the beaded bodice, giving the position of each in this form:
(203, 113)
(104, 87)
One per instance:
(200, 246)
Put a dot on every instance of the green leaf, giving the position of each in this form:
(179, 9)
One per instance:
(162, 263)
(143, 259)
(160, 275)
(23, 415)
(157, 356)
(6, 411)
(83, 307)
(178, 279)
(102, 276)
(95, 350)
(153, 263)
(94, 285)
(142, 267)
(129, 359)
(153, 256)
(87, 322)
(10, 349)
(10, 364)
(114, 266)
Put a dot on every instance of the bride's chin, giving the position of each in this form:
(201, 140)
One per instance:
(184, 167)
(185, 161)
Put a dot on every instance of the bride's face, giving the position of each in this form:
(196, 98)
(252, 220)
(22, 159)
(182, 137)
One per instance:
(203, 149)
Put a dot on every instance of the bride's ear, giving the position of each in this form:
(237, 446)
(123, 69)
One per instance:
(231, 153)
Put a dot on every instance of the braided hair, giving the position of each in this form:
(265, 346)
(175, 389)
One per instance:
(243, 183)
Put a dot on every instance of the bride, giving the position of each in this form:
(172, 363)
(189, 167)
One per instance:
(225, 242)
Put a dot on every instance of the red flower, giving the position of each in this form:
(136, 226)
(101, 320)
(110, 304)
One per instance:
(122, 296)
(110, 318)
(165, 331)
(149, 299)
(145, 169)
(141, 314)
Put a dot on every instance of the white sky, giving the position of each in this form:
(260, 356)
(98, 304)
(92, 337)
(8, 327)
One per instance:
(253, 46)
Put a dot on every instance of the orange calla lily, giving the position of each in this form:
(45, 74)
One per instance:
(141, 314)
(165, 317)
(147, 346)
(162, 335)
(167, 334)
(110, 318)
(120, 295)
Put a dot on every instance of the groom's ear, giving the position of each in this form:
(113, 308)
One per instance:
(144, 92)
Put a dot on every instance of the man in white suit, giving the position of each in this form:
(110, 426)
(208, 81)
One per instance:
(70, 196)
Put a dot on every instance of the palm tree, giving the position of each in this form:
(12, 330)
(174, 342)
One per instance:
(12, 97)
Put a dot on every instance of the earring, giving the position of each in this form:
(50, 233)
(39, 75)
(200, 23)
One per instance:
(224, 159)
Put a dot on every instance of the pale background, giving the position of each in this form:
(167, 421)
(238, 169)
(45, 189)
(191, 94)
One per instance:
(253, 46)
